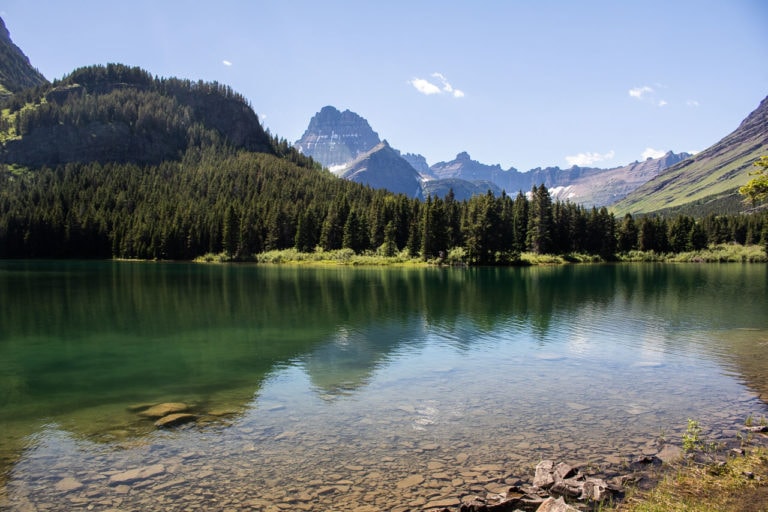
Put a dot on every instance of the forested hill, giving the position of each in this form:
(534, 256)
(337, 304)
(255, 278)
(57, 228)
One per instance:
(117, 113)
(16, 73)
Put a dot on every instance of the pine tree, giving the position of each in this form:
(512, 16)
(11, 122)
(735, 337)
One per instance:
(539, 236)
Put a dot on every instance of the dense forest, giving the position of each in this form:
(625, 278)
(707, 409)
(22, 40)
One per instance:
(111, 162)
(219, 199)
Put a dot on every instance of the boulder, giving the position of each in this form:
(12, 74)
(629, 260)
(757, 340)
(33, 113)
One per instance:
(544, 477)
(563, 471)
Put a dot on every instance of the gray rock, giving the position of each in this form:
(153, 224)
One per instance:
(563, 471)
(595, 489)
(544, 477)
(570, 488)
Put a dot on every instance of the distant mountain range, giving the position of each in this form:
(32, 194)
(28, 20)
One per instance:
(346, 144)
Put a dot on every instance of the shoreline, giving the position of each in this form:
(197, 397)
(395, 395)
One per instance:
(722, 253)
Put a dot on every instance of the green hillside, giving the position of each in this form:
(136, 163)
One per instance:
(16, 73)
(708, 181)
(117, 113)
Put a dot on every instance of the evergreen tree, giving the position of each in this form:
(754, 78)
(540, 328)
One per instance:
(539, 236)
(519, 223)
(627, 234)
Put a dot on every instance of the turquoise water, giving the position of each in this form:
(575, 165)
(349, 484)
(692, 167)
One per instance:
(304, 378)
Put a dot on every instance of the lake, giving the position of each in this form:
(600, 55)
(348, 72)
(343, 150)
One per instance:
(357, 388)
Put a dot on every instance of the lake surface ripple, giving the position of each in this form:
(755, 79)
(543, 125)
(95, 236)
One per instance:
(357, 389)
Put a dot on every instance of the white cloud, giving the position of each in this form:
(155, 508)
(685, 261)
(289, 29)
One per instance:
(640, 92)
(425, 86)
(583, 159)
(226, 63)
(647, 94)
(653, 153)
(692, 103)
(428, 87)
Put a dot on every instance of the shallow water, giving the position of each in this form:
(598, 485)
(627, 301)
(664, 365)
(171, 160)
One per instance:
(337, 389)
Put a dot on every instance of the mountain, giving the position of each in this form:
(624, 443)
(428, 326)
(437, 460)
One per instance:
(462, 189)
(601, 187)
(16, 73)
(335, 138)
(343, 141)
(383, 168)
(463, 167)
(418, 162)
(708, 181)
(584, 185)
(117, 113)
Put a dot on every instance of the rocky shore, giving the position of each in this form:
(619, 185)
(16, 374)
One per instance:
(450, 478)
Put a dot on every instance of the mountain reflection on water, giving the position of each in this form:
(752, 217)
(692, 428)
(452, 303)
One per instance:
(82, 342)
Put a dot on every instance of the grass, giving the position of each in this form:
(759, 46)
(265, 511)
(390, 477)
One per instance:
(724, 253)
(721, 253)
(701, 481)
(320, 258)
(740, 484)
(455, 257)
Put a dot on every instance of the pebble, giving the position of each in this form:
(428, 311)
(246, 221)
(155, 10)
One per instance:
(241, 467)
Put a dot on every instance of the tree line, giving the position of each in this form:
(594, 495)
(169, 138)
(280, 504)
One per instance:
(217, 199)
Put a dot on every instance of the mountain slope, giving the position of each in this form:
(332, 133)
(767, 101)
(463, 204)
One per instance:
(709, 179)
(383, 168)
(601, 187)
(117, 113)
(16, 73)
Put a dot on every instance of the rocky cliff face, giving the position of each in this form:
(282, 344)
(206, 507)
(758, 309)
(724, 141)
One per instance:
(335, 138)
(16, 73)
(418, 162)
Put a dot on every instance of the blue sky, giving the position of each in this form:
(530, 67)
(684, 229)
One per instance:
(518, 83)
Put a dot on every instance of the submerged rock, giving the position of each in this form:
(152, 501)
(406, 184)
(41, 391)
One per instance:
(68, 484)
(160, 410)
(174, 419)
(136, 475)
